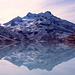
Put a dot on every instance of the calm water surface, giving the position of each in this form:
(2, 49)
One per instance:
(37, 59)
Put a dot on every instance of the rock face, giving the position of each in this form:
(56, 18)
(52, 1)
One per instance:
(42, 26)
(70, 37)
(12, 22)
(5, 40)
(7, 33)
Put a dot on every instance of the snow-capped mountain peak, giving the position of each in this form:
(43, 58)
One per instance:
(42, 26)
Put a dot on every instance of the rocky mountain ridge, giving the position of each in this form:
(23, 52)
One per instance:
(40, 27)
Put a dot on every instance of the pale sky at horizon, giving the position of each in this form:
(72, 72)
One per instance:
(10, 9)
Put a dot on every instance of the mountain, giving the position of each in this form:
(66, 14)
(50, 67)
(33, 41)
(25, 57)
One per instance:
(70, 38)
(5, 32)
(5, 39)
(37, 55)
(12, 22)
(40, 27)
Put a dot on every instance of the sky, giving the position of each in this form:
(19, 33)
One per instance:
(10, 9)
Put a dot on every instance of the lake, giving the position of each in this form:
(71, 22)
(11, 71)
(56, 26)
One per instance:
(37, 59)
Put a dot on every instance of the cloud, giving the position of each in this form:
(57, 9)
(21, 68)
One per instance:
(12, 8)
(62, 8)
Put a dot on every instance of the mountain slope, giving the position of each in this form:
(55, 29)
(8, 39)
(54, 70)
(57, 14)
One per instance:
(5, 32)
(70, 38)
(42, 26)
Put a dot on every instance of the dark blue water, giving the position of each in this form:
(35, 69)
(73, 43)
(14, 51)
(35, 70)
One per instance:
(37, 59)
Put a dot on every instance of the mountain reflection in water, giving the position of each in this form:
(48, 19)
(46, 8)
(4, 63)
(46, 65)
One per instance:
(37, 55)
